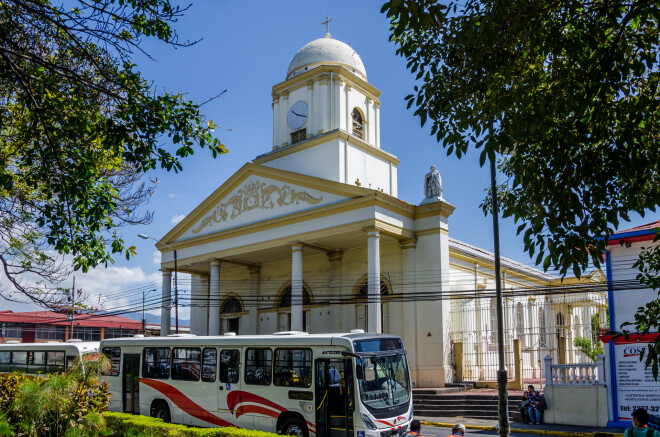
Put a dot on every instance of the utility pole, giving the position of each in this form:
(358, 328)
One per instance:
(502, 395)
(72, 299)
(143, 321)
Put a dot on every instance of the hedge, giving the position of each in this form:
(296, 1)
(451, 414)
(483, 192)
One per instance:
(134, 425)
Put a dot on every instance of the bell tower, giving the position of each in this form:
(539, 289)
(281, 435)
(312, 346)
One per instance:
(326, 119)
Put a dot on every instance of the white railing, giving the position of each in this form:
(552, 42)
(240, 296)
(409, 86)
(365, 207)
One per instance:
(575, 374)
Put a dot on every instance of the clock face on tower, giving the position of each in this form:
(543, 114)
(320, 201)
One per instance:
(297, 115)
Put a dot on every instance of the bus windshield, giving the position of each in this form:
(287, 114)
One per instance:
(383, 380)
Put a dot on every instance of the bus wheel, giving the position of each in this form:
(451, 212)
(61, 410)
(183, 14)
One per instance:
(160, 410)
(295, 426)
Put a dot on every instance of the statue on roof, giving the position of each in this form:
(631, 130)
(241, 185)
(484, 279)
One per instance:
(433, 184)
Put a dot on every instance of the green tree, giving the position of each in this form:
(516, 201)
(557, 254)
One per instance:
(80, 129)
(571, 87)
(591, 347)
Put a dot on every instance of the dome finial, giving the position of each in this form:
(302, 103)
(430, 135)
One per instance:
(327, 26)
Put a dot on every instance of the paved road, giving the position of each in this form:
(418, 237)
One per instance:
(432, 431)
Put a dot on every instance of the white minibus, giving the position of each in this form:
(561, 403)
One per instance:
(291, 383)
(44, 358)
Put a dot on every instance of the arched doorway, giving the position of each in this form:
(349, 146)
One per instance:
(231, 309)
(361, 303)
(284, 308)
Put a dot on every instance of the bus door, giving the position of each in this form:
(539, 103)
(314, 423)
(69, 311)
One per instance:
(130, 386)
(229, 388)
(334, 397)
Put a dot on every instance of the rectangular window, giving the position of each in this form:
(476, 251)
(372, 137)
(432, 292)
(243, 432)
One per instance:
(36, 362)
(298, 136)
(19, 361)
(258, 365)
(87, 334)
(12, 330)
(50, 332)
(5, 361)
(209, 364)
(186, 363)
(114, 355)
(156, 363)
(293, 367)
(54, 361)
(229, 362)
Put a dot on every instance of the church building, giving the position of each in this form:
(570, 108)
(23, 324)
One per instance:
(311, 236)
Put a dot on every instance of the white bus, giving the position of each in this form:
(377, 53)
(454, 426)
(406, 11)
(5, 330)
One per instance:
(292, 383)
(44, 358)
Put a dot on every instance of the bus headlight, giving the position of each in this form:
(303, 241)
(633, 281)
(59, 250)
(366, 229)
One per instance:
(367, 422)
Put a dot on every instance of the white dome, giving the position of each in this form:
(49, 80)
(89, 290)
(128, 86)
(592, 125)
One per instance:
(326, 51)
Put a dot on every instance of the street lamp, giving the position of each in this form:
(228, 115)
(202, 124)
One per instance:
(176, 282)
(502, 395)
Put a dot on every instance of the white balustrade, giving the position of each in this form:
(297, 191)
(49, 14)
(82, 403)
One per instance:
(575, 374)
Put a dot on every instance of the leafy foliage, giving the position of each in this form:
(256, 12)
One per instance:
(79, 129)
(61, 404)
(128, 424)
(571, 88)
(591, 347)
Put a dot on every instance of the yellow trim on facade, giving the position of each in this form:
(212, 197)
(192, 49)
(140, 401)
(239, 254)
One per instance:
(443, 209)
(245, 172)
(432, 231)
(490, 266)
(343, 71)
(335, 134)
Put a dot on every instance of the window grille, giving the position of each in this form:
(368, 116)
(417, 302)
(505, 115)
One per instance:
(357, 123)
(230, 305)
(298, 136)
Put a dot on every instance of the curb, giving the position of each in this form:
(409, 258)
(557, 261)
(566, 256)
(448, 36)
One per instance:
(529, 431)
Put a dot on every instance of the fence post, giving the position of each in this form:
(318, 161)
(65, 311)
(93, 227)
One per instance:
(458, 359)
(600, 363)
(548, 370)
(517, 365)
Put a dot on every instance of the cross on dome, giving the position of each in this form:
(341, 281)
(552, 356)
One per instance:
(327, 26)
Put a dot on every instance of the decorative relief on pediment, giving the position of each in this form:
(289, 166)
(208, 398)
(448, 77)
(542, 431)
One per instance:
(255, 195)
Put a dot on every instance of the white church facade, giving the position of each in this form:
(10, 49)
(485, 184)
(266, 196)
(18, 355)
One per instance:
(311, 236)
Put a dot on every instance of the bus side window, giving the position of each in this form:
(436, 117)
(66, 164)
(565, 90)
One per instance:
(5, 361)
(258, 366)
(209, 363)
(156, 362)
(186, 363)
(54, 361)
(114, 355)
(229, 363)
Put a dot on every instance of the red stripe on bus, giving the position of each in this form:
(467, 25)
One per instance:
(236, 397)
(187, 405)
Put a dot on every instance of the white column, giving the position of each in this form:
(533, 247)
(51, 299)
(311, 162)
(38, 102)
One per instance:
(377, 125)
(283, 127)
(204, 279)
(214, 299)
(252, 305)
(296, 287)
(409, 289)
(166, 304)
(195, 305)
(310, 110)
(373, 275)
(276, 122)
(335, 291)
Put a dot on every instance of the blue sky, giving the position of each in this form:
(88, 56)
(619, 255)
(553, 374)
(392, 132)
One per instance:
(246, 48)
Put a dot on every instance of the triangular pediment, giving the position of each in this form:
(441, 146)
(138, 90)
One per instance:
(258, 193)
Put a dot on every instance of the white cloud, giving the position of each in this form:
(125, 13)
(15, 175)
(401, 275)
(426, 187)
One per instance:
(157, 257)
(177, 218)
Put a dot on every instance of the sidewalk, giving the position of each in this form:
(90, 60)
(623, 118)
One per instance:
(544, 429)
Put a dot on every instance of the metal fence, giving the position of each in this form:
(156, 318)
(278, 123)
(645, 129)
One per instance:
(564, 326)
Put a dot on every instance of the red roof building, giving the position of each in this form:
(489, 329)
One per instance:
(42, 326)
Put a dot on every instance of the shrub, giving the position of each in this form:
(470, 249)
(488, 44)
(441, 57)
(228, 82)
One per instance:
(138, 426)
